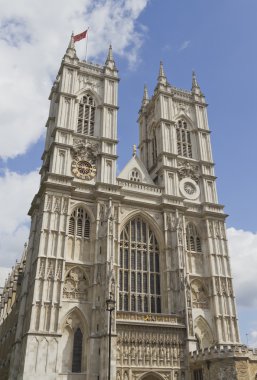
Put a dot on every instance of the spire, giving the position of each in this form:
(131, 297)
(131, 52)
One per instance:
(162, 77)
(195, 86)
(109, 60)
(110, 55)
(145, 99)
(194, 80)
(71, 51)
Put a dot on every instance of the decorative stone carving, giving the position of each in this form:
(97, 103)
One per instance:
(189, 188)
(75, 284)
(142, 346)
(199, 295)
(84, 159)
(89, 83)
(187, 169)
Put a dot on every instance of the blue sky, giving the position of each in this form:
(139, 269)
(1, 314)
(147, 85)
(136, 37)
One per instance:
(217, 39)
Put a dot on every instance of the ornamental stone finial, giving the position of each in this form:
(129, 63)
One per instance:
(145, 99)
(134, 150)
(162, 77)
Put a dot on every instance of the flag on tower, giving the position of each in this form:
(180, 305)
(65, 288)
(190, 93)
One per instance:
(80, 36)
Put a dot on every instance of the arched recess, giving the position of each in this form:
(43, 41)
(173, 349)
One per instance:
(150, 220)
(203, 332)
(139, 275)
(151, 376)
(73, 343)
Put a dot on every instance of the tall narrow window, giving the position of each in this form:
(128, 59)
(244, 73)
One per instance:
(79, 223)
(193, 239)
(184, 145)
(139, 274)
(86, 117)
(154, 147)
(77, 351)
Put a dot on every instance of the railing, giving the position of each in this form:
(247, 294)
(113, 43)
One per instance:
(213, 208)
(137, 186)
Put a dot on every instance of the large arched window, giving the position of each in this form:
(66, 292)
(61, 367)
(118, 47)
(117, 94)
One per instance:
(79, 223)
(86, 118)
(139, 273)
(193, 240)
(184, 145)
(77, 351)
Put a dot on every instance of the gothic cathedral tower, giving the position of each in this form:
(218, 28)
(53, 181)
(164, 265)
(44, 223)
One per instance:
(154, 237)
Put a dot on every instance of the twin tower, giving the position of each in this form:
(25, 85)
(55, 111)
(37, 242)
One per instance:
(153, 236)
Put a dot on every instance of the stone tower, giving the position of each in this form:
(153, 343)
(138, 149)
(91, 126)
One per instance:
(154, 237)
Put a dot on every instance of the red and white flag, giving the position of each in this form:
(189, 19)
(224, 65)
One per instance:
(80, 36)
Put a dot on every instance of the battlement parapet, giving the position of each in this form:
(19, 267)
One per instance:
(223, 351)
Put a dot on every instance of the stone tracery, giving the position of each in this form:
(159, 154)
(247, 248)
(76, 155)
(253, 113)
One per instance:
(75, 284)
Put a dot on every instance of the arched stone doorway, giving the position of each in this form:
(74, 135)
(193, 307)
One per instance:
(151, 376)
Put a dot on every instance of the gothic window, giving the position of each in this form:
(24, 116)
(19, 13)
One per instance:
(139, 273)
(86, 117)
(193, 240)
(135, 175)
(154, 147)
(184, 145)
(77, 351)
(79, 223)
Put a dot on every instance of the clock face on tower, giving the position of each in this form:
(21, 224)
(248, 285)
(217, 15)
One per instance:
(83, 169)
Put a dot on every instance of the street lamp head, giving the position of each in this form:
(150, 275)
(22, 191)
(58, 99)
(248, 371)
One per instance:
(110, 303)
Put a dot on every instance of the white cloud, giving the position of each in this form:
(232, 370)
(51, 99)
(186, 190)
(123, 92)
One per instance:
(16, 194)
(33, 39)
(243, 252)
(184, 45)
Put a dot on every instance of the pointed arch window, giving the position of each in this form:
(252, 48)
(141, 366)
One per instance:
(193, 240)
(184, 144)
(139, 273)
(77, 351)
(86, 117)
(79, 223)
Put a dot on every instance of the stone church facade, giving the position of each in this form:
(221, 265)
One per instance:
(153, 238)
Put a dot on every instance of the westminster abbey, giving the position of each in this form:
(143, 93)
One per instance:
(151, 240)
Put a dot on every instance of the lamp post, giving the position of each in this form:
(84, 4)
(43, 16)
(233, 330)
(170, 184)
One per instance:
(110, 306)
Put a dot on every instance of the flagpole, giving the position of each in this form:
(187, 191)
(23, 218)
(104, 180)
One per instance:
(86, 44)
